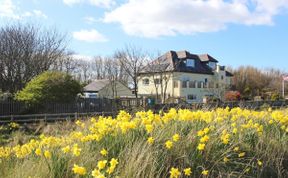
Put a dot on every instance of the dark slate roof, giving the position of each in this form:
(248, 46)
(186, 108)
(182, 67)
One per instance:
(228, 74)
(207, 58)
(175, 61)
(96, 85)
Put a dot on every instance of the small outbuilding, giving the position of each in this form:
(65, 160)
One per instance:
(107, 89)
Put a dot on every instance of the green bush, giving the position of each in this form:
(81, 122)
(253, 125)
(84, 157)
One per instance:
(50, 86)
(275, 97)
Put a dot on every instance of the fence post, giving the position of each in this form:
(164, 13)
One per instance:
(75, 116)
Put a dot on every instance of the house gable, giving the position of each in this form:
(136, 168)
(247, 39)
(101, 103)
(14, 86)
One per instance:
(173, 61)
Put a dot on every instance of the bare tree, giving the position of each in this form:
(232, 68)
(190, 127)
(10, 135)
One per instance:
(251, 81)
(84, 70)
(131, 60)
(67, 63)
(111, 67)
(26, 51)
(160, 71)
(98, 67)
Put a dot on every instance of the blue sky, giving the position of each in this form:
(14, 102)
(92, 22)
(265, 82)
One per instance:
(236, 32)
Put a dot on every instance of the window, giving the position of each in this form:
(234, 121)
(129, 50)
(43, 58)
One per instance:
(145, 81)
(191, 97)
(175, 84)
(217, 85)
(211, 84)
(205, 84)
(184, 84)
(192, 84)
(222, 77)
(157, 81)
(93, 95)
(190, 63)
(199, 84)
(212, 65)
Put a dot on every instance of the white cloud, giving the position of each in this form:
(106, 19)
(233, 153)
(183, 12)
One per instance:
(153, 18)
(40, 14)
(9, 10)
(82, 57)
(89, 36)
(99, 3)
(90, 20)
(34, 13)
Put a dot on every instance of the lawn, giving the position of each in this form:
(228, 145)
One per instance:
(179, 143)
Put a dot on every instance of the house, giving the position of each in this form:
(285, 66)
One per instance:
(106, 89)
(184, 75)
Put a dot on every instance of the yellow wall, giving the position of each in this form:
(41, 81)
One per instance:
(183, 92)
(150, 89)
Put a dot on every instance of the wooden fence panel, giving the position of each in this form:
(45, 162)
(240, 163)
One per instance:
(80, 106)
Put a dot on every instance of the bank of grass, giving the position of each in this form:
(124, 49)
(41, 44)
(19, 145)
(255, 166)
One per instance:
(256, 146)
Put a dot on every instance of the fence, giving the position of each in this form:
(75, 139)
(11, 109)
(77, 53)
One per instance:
(255, 105)
(79, 106)
(13, 109)
(86, 105)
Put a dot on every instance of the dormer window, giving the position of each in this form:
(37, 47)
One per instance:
(190, 63)
(212, 65)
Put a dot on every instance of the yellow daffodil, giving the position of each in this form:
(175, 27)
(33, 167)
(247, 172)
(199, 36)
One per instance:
(175, 137)
(113, 164)
(79, 170)
(47, 154)
(38, 152)
(201, 146)
(205, 172)
(200, 133)
(104, 152)
(149, 128)
(240, 155)
(259, 163)
(204, 139)
(66, 149)
(150, 140)
(236, 149)
(101, 164)
(187, 171)
(76, 150)
(174, 173)
(168, 144)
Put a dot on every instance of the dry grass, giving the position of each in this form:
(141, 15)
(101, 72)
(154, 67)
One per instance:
(137, 158)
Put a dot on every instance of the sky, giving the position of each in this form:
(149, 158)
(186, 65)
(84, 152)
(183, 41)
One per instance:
(235, 32)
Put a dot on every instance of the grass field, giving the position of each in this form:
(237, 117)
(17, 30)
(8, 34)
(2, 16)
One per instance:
(183, 143)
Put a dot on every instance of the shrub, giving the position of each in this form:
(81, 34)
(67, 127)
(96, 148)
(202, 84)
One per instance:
(50, 86)
(232, 96)
(275, 97)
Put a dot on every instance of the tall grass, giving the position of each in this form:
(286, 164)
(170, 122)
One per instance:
(266, 149)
